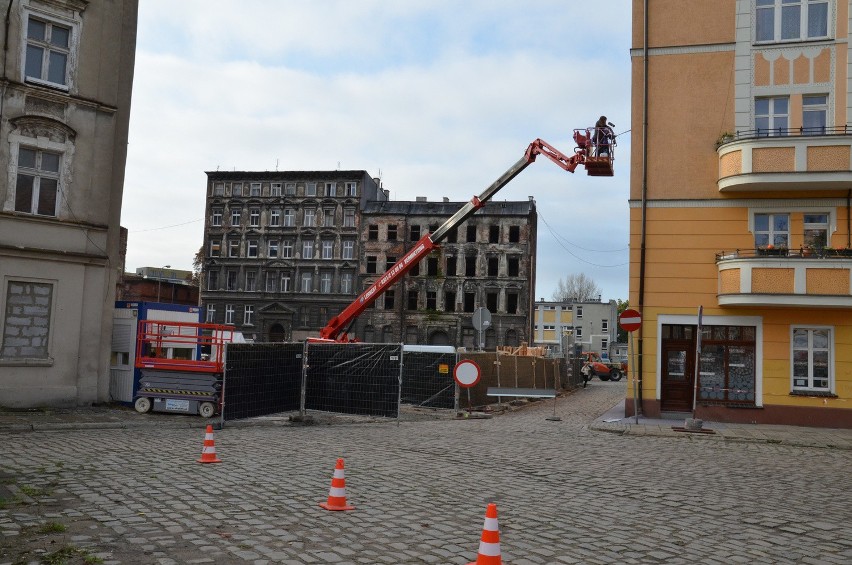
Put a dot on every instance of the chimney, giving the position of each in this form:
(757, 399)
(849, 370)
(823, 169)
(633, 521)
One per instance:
(446, 199)
(421, 199)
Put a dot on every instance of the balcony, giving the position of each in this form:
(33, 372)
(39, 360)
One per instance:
(781, 277)
(786, 159)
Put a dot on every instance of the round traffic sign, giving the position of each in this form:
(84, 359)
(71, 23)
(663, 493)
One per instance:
(467, 373)
(630, 320)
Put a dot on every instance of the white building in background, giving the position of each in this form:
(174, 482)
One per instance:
(592, 326)
(64, 114)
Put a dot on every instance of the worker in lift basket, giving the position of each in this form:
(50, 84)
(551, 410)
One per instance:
(603, 137)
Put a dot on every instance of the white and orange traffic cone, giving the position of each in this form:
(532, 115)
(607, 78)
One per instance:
(337, 492)
(208, 453)
(489, 544)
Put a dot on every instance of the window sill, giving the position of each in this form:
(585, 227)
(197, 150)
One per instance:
(12, 362)
(817, 393)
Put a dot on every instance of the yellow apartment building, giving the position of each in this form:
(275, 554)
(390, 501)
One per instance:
(740, 198)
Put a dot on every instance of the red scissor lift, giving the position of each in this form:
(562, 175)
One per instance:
(181, 365)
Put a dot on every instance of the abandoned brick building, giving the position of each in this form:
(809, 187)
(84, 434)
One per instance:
(286, 251)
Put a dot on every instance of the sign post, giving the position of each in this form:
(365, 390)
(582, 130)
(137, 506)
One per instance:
(630, 320)
(697, 375)
(466, 374)
(481, 321)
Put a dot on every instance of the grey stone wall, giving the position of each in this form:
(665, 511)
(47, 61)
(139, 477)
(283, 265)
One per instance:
(27, 320)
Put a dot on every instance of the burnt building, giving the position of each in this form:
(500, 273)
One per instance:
(281, 249)
(486, 262)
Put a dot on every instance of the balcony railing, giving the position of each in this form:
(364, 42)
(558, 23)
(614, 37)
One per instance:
(801, 253)
(815, 158)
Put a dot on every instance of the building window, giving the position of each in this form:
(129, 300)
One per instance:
(285, 282)
(415, 270)
(325, 283)
(392, 232)
(215, 247)
(235, 217)
(470, 266)
(270, 282)
(491, 301)
(311, 189)
(234, 248)
(371, 264)
(493, 264)
(236, 189)
(38, 182)
(771, 229)
(275, 218)
(289, 218)
(351, 189)
(451, 266)
(290, 189)
(373, 232)
(790, 20)
(493, 234)
(513, 265)
(449, 301)
(248, 314)
(327, 249)
(232, 280)
(604, 325)
(814, 114)
(219, 189)
(812, 363)
(453, 235)
(328, 217)
(346, 283)
(310, 218)
(251, 281)
(469, 301)
(330, 189)
(275, 189)
(211, 314)
(579, 312)
(272, 249)
(349, 218)
(432, 266)
(48, 51)
(27, 319)
(816, 231)
(726, 370)
(514, 234)
(254, 189)
(604, 345)
(578, 334)
(252, 248)
(287, 249)
(212, 280)
(390, 260)
(389, 299)
(348, 249)
(229, 313)
(412, 300)
(471, 234)
(414, 233)
(307, 250)
(512, 303)
(307, 281)
(216, 219)
(431, 300)
(771, 115)
(254, 217)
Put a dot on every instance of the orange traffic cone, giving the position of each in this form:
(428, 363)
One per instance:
(489, 544)
(337, 492)
(208, 454)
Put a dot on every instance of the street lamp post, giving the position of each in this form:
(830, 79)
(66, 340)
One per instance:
(160, 280)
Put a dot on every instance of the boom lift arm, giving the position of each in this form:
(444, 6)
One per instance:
(338, 327)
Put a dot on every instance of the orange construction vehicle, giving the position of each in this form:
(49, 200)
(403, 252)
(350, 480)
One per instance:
(604, 369)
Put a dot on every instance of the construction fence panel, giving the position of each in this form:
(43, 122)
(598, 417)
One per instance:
(353, 378)
(262, 379)
(427, 378)
(515, 371)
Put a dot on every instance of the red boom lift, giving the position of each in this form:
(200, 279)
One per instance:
(596, 156)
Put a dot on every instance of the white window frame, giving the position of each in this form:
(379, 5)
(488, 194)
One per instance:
(771, 233)
(275, 218)
(325, 282)
(215, 248)
(348, 249)
(69, 21)
(830, 350)
(310, 189)
(255, 189)
(310, 218)
(248, 314)
(328, 249)
(307, 249)
(229, 313)
(252, 248)
(38, 174)
(251, 281)
(307, 281)
(216, 218)
(275, 189)
(346, 283)
(270, 282)
(777, 122)
(328, 218)
(777, 9)
(815, 105)
(351, 189)
(236, 213)
(211, 313)
(212, 280)
(285, 282)
(289, 217)
(330, 189)
(237, 189)
(349, 218)
(233, 248)
(254, 217)
(287, 249)
(218, 189)
(290, 189)
(272, 248)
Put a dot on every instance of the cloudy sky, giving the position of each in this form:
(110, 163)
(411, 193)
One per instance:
(435, 97)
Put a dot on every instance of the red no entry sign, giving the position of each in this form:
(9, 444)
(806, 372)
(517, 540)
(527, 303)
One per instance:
(467, 373)
(630, 320)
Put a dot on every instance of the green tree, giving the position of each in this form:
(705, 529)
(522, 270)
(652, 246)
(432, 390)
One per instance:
(622, 305)
(197, 267)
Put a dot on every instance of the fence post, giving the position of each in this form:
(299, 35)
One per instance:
(224, 379)
(399, 389)
(497, 364)
(303, 392)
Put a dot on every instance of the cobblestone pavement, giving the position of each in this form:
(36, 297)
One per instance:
(565, 492)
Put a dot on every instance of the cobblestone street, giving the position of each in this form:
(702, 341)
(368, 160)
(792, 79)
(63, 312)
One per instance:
(564, 493)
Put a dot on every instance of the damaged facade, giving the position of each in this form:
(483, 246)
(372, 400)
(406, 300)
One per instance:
(286, 251)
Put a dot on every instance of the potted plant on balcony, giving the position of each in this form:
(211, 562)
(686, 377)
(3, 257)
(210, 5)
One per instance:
(724, 138)
(772, 251)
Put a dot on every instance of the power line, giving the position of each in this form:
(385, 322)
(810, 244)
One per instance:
(580, 246)
(167, 227)
(574, 255)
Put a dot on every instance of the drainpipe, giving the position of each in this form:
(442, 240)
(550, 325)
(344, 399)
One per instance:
(5, 58)
(848, 219)
(644, 187)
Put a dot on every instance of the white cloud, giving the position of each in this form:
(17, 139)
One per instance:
(441, 97)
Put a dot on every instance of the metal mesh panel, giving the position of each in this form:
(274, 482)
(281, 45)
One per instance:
(427, 379)
(353, 378)
(262, 378)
